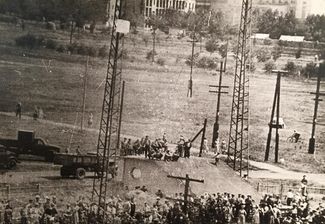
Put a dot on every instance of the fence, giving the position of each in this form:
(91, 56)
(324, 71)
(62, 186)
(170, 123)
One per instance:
(282, 189)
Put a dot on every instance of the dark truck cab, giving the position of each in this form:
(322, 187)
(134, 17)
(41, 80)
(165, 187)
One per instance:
(27, 143)
(7, 159)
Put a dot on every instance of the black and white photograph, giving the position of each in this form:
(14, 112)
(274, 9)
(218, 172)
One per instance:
(162, 112)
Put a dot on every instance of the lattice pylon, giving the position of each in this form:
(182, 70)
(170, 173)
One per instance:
(108, 138)
(239, 132)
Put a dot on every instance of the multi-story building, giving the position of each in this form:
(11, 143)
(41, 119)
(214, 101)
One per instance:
(160, 6)
(203, 5)
(230, 8)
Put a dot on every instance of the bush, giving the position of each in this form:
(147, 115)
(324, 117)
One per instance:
(310, 70)
(61, 48)
(103, 51)
(51, 26)
(189, 59)
(82, 49)
(207, 62)
(263, 55)
(298, 53)
(150, 53)
(161, 61)
(267, 42)
(211, 46)
(276, 53)
(269, 66)
(291, 68)
(92, 51)
(73, 48)
(145, 40)
(51, 44)
(125, 54)
(29, 40)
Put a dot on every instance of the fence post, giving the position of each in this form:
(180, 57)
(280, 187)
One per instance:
(8, 191)
(258, 187)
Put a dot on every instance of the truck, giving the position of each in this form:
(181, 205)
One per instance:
(27, 143)
(76, 165)
(8, 159)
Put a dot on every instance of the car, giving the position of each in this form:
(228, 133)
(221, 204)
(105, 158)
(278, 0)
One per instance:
(8, 159)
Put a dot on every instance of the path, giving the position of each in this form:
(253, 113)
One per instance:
(270, 171)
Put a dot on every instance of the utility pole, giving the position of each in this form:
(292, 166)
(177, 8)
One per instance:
(190, 81)
(84, 95)
(186, 190)
(311, 146)
(203, 130)
(276, 105)
(215, 134)
(153, 44)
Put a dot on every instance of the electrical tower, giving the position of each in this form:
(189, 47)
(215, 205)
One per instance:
(238, 135)
(108, 139)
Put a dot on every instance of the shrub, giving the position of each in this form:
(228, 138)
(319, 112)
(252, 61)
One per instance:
(263, 55)
(310, 70)
(51, 26)
(82, 49)
(207, 62)
(61, 48)
(92, 51)
(189, 59)
(276, 53)
(269, 66)
(103, 51)
(29, 40)
(267, 42)
(211, 45)
(291, 68)
(73, 48)
(145, 40)
(125, 54)
(298, 53)
(150, 53)
(51, 44)
(161, 61)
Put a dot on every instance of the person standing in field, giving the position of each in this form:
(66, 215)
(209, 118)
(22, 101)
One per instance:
(18, 110)
(90, 120)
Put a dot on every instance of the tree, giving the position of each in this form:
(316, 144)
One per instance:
(291, 68)
(211, 45)
(275, 24)
(269, 66)
(315, 25)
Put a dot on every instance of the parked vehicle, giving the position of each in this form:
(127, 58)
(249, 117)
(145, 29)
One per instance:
(27, 143)
(8, 159)
(77, 165)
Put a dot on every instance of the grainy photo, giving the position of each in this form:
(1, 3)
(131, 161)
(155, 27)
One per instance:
(162, 111)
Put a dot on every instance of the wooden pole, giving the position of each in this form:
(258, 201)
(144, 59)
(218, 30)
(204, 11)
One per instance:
(84, 95)
(203, 137)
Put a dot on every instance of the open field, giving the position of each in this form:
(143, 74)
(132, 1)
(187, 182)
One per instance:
(155, 99)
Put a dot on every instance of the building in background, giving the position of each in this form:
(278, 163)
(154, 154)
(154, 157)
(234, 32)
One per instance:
(204, 5)
(159, 7)
(230, 8)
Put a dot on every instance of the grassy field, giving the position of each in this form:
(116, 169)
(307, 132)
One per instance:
(155, 99)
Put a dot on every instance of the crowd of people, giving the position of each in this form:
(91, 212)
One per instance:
(156, 149)
(220, 208)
